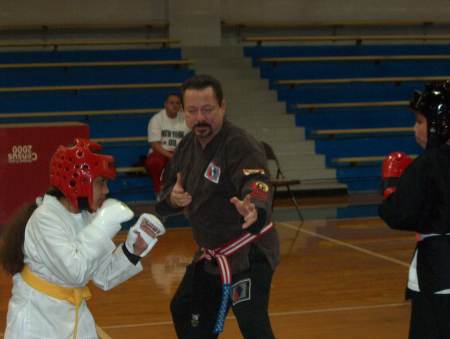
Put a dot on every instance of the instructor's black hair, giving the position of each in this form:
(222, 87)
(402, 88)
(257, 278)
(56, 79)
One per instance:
(203, 81)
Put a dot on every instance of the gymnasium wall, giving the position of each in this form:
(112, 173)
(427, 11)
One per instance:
(55, 12)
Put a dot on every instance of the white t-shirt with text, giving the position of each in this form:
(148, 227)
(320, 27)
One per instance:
(167, 131)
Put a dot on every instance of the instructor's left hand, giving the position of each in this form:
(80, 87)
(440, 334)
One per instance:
(247, 209)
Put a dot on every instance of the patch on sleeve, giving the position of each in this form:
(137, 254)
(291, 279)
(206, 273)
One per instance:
(251, 171)
(241, 291)
(259, 190)
(212, 173)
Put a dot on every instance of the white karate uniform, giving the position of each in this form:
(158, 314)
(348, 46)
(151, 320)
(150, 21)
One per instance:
(413, 279)
(61, 248)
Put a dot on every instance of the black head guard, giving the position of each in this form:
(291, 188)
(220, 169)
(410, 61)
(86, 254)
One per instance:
(434, 104)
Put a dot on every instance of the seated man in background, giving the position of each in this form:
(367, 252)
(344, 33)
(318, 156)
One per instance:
(165, 131)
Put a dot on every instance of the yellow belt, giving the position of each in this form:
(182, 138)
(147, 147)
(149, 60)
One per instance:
(75, 296)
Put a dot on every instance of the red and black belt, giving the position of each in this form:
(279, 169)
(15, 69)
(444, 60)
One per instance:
(220, 255)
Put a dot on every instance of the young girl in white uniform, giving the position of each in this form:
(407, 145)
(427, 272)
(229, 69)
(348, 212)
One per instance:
(55, 247)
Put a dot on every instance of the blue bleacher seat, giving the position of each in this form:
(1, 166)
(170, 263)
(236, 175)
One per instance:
(92, 75)
(363, 117)
(364, 176)
(127, 186)
(75, 100)
(256, 52)
(348, 92)
(94, 55)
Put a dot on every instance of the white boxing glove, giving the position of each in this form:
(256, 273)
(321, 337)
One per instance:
(156, 227)
(110, 215)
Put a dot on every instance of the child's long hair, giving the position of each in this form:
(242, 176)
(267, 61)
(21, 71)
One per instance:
(13, 236)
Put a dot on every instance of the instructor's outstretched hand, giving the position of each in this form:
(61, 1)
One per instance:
(247, 209)
(179, 197)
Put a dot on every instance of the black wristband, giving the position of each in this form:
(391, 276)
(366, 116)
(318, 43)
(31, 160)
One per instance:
(259, 223)
(133, 258)
(164, 209)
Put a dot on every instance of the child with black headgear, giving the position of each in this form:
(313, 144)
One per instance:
(417, 198)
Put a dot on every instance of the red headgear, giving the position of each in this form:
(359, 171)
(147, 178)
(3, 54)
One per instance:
(73, 169)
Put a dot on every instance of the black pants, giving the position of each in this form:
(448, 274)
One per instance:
(430, 316)
(250, 296)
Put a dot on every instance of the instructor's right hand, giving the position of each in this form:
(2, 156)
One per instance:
(179, 197)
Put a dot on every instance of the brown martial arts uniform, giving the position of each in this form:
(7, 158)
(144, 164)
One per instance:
(232, 164)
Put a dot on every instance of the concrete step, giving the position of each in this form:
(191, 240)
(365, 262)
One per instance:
(310, 174)
(218, 70)
(260, 122)
(300, 147)
(302, 162)
(213, 52)
(277, 134)
(265, 116)
(224, 66)
(321, 186)
(292, 147)
(245, 85)
(300, 155)
(260, 98)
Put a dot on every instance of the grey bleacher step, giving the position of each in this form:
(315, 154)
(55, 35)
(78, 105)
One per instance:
(257, 122)
(223, 60)
(228, 77)
(311, 174)
(266, 104)
(302, 152)
(316, 180)
(304, 162)
(320, 186)
(290, 148)
(245, 85)
(262, 116)
(227, 69)
(213, 52)
(250, 111)
(299, 155)
(250, 89)
(277, 134)
(260, 122)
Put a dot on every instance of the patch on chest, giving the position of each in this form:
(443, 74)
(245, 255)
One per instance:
(212, 173)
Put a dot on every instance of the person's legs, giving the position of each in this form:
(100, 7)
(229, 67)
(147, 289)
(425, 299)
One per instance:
(441, 307)
(194, 313)
(155, 164)
(250, 297)
(430, 316)
(180, 305)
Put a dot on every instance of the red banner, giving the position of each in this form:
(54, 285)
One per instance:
(25, 152)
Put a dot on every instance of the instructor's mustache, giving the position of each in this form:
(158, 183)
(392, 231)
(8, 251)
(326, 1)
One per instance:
(202, 124)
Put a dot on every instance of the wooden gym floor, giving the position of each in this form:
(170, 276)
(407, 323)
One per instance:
(338, 278)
